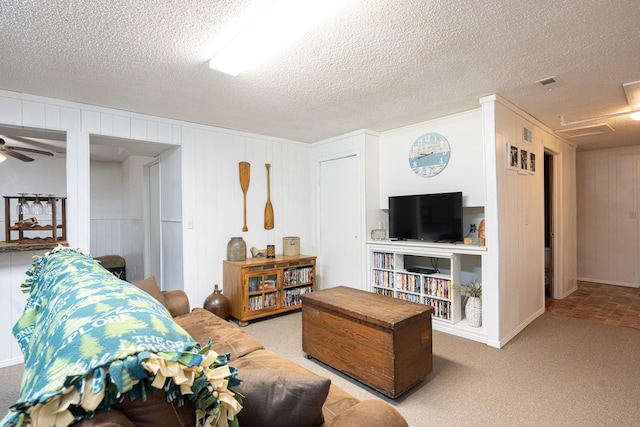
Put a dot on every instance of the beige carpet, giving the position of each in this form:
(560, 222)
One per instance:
(559, 371)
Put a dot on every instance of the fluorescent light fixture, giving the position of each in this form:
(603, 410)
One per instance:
(277, 27)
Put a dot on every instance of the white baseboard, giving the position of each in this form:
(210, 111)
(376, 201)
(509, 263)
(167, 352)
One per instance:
(10, 362)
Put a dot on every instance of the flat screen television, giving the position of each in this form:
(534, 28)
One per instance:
(431, 217)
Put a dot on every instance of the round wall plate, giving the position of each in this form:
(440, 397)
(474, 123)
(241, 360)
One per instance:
(429, 154)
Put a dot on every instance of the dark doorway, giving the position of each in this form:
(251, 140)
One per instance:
(548, 225)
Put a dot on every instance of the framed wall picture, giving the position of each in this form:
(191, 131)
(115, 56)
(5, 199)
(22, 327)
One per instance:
(532, 163)
(527, 134)
(513, 158)
(524, 161)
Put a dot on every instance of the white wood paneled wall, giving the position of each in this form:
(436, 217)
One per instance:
(608, 249)
(465, 171)
(516, 260)
(213, 205)
(12, 269)
(212, 200)
(106, 237)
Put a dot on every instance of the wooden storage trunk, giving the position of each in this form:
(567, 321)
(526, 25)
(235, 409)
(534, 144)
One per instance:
(381, 341)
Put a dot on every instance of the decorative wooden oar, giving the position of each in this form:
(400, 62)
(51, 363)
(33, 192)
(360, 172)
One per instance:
(245, 173)
(268, 209)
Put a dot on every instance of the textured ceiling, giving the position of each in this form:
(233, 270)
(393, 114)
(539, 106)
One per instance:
(379, 65)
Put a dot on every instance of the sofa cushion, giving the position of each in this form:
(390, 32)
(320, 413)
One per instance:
(369, 413)
(281, 398)
(337, 401)
(113, 418)
(177, 302)
(150, 412)
(156, 411)
(150, 286)
(225, 336)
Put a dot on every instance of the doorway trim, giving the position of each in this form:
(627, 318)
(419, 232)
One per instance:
(148, 225)
(556, 223)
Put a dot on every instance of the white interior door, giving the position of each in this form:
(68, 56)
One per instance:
(340, 223)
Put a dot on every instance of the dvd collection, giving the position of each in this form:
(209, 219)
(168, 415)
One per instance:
(382, 260)
(436, 292)
(298, 276)
(292, 296)
(268, 283)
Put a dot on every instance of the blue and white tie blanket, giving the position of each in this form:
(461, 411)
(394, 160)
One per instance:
(89, 338)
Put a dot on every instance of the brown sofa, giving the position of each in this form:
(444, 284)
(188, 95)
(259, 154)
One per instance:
(254, 363)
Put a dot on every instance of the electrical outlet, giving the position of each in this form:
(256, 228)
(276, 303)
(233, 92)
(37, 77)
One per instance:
(473, 228)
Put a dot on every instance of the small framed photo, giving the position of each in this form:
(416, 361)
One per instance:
(527, 134)
(532, 163)
(513, 159)
(524, 161)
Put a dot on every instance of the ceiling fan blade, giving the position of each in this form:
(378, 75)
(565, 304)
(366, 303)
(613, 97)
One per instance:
(30, 150)
(42, 144)
(17, 155)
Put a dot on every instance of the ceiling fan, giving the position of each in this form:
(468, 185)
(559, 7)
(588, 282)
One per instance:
(14, 152)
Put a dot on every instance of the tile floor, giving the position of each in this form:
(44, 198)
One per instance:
(611, 305)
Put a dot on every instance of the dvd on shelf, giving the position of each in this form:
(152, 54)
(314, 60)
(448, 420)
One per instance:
(436, 291)
(292, 296)
(383, 260)
(298, 276)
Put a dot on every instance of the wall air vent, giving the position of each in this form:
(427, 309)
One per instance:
(549, 83)
(591, 130)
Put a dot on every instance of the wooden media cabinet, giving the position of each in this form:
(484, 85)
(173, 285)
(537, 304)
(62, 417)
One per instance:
(261, 287)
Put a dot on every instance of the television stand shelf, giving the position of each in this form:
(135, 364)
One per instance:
(422, 270)
(426, 273)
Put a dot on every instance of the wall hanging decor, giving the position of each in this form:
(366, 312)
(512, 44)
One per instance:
(245, 173)
(524, 162)
(268, 209)
(532, 163)
(429, 154)
(513, 162)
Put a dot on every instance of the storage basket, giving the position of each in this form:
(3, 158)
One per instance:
(115, 264)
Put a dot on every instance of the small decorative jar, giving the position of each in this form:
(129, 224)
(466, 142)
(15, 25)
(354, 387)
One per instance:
(236, 249)
(378, 234)
(271, 251)
(217, 303)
